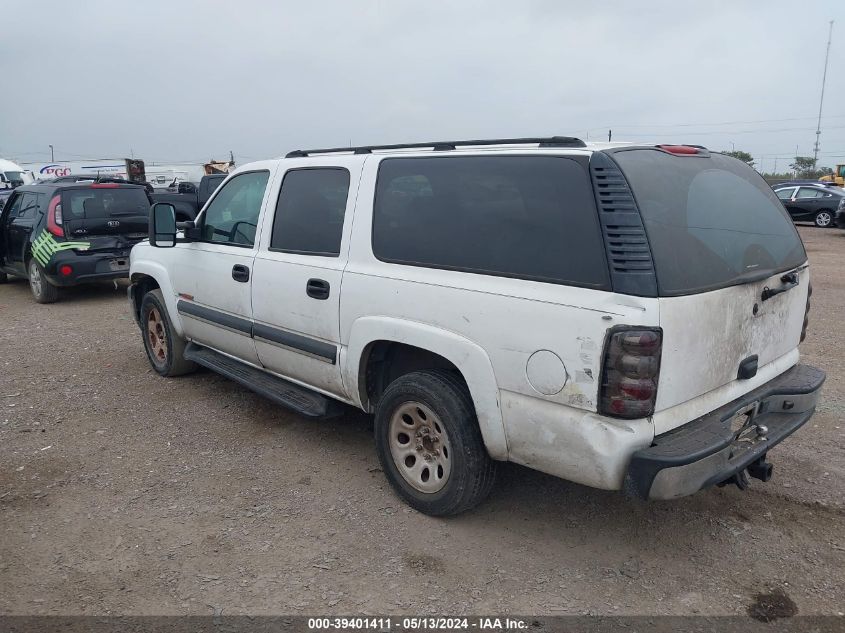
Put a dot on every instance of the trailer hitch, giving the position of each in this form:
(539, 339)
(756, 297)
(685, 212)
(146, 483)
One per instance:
(759, 469)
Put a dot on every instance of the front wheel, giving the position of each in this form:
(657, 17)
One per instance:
(429, 443)
(823, 219)
(165, 349)
(42, 290)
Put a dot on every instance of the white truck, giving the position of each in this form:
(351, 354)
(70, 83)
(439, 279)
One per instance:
(622, 317)
(13, 175)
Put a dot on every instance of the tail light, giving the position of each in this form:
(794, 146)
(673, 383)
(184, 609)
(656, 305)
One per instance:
(631, 371)
(54, 217)
(807, 312)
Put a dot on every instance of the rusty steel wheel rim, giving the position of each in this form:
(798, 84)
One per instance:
(420, 448)
(156, 335)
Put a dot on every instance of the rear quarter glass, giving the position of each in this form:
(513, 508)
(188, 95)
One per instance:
(528, 217)
(711, 220)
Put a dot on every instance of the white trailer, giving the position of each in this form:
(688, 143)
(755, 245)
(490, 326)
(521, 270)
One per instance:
(159, 175)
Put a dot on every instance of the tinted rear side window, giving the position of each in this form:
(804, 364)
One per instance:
(93, 203)
(711, 221)
(532, 217)
(310, 211)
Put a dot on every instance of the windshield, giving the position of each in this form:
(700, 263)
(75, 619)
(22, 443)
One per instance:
(14, 176)
(711, 221)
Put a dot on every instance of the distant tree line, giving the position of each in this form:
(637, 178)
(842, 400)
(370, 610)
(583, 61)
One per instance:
(802, 167)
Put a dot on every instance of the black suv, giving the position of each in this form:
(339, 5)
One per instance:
(63, 234)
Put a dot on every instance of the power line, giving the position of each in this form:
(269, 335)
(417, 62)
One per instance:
(717, 132)
(755, 121)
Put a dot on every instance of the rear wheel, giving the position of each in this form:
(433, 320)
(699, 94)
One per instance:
(429, 443)
(823, 219)
(42, 290)
(165, 349)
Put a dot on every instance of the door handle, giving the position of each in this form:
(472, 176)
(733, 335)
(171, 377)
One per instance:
(318, 289)
(240, 273)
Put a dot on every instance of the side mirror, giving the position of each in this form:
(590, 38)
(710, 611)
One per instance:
(163, 225)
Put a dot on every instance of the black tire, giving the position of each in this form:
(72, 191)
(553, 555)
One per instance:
(471, 472)
(42, 290)
(3, 278)
(824, 219)
(172, 361)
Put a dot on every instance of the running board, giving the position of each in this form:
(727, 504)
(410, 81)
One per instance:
(299, 399)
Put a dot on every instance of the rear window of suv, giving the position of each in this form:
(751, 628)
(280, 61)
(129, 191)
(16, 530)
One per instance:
(711, 221)
(531, 217)
(94, 202)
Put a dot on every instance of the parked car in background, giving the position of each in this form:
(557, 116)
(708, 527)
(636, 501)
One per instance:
(811, 203)
(840, 216)
(189, 197)
(811, 183)
(63, 234)
(623, 317)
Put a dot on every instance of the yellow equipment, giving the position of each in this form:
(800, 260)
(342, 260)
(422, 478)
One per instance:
(838, 176)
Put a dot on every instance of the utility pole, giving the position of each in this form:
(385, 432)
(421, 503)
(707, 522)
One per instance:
(52, 160)
(609, 135)
(821, 99)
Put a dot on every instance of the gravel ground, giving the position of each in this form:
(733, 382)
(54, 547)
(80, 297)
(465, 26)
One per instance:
(122, 492)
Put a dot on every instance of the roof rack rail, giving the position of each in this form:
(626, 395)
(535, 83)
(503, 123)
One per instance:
(442, 146)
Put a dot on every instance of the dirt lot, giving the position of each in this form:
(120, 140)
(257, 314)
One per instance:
(122, 492)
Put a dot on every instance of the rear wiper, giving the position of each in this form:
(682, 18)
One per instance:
(790, 281)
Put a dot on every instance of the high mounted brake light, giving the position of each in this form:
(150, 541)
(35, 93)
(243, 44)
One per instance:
(680, 150)
(54, 217)
(631, 371)
(105, 185)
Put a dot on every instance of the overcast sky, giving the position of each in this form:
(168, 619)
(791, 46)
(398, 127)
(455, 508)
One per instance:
(188, 81)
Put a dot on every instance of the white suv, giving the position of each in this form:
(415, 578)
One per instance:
(622, 317)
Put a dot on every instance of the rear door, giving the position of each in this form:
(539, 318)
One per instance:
(21, 227)
(298, 272)
(808, 201)
(721, 243)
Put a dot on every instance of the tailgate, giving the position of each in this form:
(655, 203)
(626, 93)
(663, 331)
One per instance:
(731, 272)
(706, 336)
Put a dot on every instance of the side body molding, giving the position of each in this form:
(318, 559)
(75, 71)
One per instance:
(466, 355)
